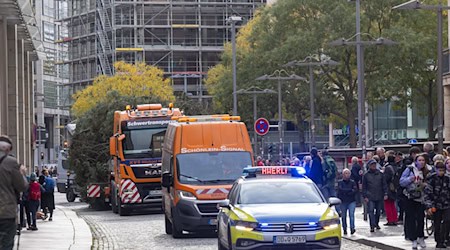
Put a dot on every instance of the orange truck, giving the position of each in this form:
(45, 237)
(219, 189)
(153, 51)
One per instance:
(136, 149)
(202, 157)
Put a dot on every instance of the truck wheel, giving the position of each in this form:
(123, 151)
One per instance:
(176, 232)
(70, 195)
(121, 210)
(114, 199)
(168, 225)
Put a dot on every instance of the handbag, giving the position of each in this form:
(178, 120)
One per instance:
(414, 192)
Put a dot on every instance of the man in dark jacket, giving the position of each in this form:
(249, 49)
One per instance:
(374, 192)
(316, 172)
(346, 192)
(437, 202)
(356, 176)
(12, 182)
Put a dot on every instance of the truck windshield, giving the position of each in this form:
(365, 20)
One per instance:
(211, 167)
(143, 143)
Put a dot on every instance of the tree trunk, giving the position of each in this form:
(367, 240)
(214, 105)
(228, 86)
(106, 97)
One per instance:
(301, 133)
(430, 113)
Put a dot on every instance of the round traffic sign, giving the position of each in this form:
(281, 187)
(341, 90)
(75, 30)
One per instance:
(262, 126)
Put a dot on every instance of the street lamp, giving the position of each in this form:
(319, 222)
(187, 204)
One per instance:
(253, 90)
(414, 5)
(310, 62)
(233, 20)
(280, 75)
(360, 69)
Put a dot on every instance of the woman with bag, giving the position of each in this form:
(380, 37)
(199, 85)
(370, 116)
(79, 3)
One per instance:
(34, 196)
(414, 181)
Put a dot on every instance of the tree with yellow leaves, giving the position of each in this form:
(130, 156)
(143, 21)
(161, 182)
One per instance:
(135, 80)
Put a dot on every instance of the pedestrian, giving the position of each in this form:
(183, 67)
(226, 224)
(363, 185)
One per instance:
(381, 154)
(316, 173)
(347, 191)
(12, 182)
(437, 202)
(374, 192)
(389, 203)
(400, 167)
(356, 176)
(34, 196)
(259, 161)
(307, 164)
(428, 148)
(413, 180)
(48, 197)
(329, 175)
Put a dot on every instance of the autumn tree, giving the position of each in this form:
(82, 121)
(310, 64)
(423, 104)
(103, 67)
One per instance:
(137, 80)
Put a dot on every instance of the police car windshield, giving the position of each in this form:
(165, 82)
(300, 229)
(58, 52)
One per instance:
(211, 167)
(143, 143)
(278, 192)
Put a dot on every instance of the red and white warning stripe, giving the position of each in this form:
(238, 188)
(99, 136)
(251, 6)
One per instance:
(213, 191)
(93, 191)
(129, 192)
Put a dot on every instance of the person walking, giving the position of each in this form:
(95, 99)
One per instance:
(428, 148)
(34, 196)
(329, 175)
(48, 197)
(356, 176)
(374, 192)
(389, 203)
(307, 164)
(437, 202)
(12, 182)
(413, 180)
(347, 191)
(316, 172)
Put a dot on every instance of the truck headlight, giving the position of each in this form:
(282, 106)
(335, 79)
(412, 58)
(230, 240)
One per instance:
(329, 224)
(186, 195)
(245, 225)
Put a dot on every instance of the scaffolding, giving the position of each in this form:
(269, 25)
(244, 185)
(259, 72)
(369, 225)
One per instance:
(182, 37)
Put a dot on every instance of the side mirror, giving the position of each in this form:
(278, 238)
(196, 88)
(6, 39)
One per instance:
(333, 201)
(113, 145)
(166, 179)
(224, 204)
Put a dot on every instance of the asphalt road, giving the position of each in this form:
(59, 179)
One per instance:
(144, 231)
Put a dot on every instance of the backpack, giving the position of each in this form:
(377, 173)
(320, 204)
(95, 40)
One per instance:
(329, 169)
(396, 178)
(34, 193)
(49, 185)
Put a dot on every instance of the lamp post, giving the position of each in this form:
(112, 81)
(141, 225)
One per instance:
(310, 62)
(360, 72)
(415, 5)
(254, 91)
(233, 20)
(280, 75)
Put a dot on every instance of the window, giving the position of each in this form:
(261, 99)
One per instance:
(49, 64)
(63, 9)
(49, 32)
(48, 7)
(51, 94)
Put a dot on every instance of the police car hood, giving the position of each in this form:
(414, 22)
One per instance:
(282, 213)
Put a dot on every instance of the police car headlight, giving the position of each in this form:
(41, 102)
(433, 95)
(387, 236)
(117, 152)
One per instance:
(329, 224)
(186, 195)
(245, 225)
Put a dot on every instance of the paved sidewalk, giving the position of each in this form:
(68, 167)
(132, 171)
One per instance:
(66, 231)
(389, 237)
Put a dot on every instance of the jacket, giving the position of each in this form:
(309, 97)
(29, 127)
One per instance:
(356, 173)
(316, 172)
(12, 182)
(418, 184)
(347, 190)
(437, 192)
(389, 172)
(374, 185)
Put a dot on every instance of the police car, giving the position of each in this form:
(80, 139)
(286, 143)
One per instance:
(277, 208)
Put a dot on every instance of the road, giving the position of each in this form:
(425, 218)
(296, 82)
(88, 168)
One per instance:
(143, 231)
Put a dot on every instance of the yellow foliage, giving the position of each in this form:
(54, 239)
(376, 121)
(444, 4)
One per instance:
(129, 80)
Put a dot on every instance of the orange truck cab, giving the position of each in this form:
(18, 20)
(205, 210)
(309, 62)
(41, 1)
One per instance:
(136, 148)
(202, 157)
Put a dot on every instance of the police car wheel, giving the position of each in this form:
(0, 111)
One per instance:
(168, 225)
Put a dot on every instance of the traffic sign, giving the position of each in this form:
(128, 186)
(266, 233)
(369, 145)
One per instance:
(262, 126)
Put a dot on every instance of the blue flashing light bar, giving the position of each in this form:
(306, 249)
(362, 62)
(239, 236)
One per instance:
(253, 172)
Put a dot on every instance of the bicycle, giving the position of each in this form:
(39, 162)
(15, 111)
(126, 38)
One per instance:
(429, 224)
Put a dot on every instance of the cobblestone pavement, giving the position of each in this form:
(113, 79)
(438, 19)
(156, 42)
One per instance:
(145, 231)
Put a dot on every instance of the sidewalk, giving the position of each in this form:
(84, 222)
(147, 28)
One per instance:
(66, 231)
(389, 237)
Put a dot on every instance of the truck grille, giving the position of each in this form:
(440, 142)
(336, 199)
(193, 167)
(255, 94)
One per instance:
(281, 227)
(147, 172)
(208, 208)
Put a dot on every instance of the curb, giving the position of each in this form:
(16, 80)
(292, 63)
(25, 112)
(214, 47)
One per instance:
(371, 243)
(82, 238)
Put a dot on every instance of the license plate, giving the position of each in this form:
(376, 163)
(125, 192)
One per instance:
(290, 239)
(213, 222)
(155, 192)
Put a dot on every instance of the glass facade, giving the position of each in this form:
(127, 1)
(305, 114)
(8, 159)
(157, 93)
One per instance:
(51, 94)
(48, 8)
(49, 32)
(49, 67)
